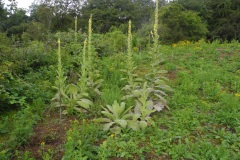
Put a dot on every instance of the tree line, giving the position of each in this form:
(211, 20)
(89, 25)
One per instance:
(179, 20)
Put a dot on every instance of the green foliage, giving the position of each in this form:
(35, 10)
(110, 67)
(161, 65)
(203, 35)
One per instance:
(81, 143)
(203, 122)
(26, 156)
(73, 146)
(155, 77)
(112, 85)
(132, 78)
(4, 45)
(143, 109)
(177, 24)
(70, 96)
(115, 42)
(120, 147)
(94, 82)
(35, 31)
(116, 13)
(117, 117)
(20, 127)
(3, 16)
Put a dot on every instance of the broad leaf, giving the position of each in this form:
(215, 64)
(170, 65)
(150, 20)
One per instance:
(121, 122)
(108, 114)
(143, 124)
(159, 106)
(102, 120)
(116, 130)
(134, 125)
(107, 126)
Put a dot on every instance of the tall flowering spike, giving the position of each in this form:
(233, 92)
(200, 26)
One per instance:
(130, 38)
(90, 42)
(84, 55)
(59, 56)
(129, 56)
(76, 19)
(155, 29)
(83, 68)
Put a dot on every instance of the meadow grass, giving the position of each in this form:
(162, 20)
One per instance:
(203, 120)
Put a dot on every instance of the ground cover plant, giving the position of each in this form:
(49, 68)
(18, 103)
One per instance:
(179, 101)
(203, 120)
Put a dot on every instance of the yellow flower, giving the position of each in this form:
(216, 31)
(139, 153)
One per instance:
(174, 45)
(112, 135)
(237, 94)
(42, 143)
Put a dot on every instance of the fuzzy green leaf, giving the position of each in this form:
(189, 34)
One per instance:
(134, 125)
(102, 120)
(121, 122)
(116, 130)
(85, 103)
(107, 126)
(73, 89)
(143, 124)
(109, 115)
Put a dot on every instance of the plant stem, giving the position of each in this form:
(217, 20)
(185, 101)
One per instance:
(75, 33)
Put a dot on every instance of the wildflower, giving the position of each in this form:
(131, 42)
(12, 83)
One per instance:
(237, 94)
(112, 135)
(42, 143)
(174, 45)
(69, 138)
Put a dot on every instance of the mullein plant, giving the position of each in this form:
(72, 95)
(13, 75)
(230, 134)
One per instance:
(155, 78)
(60, 82)
(77, 94)
(132, 78)
(75, 33)
(117, 117)
(144, 107)
(93, 75)
(69, 95)
(83, 78)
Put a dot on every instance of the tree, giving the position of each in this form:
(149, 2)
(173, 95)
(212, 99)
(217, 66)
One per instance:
(178, 24)
(222, 17)
(108, 13)
(3, 16)
(202, 7)
(15, 22)
(225, 22)
(56, 14)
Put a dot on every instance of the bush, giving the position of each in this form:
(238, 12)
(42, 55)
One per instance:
(178, 24)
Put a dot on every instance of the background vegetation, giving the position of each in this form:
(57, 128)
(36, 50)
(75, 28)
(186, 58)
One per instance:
(55, 58)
